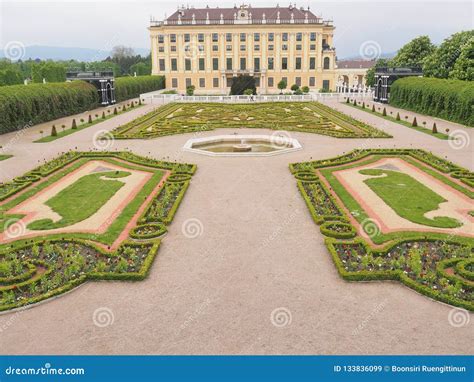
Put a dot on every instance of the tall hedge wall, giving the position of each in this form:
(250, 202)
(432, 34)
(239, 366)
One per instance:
(131, 87)
(452, 100)
(21, 105)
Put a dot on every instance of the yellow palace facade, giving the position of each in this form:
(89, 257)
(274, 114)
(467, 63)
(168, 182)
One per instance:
(207, 47)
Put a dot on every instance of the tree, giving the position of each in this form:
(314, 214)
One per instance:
(413, 53)
(54, 133)
(442, 61)
(74, 125)
(282, 86)
(305, 89)
(190, 90)
(464, 67)
(242, 83)
(294, 87)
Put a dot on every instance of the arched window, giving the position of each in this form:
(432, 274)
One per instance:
(326, 63)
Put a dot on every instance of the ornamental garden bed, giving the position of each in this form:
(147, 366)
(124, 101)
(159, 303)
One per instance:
(396, 214)
(310, 117)
(82, 216)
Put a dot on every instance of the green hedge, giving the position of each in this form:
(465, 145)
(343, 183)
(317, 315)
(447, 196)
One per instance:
(22, 105)
(132, 87)
(452, 100)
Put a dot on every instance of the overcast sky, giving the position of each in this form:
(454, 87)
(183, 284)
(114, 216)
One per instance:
(105, 23)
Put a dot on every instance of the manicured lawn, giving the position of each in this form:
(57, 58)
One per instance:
(3, 157)
(438, 135)
(310, 117)
(407, 197)
(81, 199)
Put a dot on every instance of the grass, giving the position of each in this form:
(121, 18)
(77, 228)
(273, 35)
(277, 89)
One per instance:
(309, 117)
(81, 199)
(116, 227)
(4, 157)
(66, 132)
(400, 122)
(407, 197)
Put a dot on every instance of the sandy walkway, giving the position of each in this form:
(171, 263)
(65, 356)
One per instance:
(258, 253)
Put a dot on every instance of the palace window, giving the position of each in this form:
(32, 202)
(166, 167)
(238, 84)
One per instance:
(243, 37)
(174, 82)
(202, 64)
(161, 39)
(215, 48)
(312, 36)
(257, 48)
(174, 64)
(161, 49)
(284, 47)
(256, 64)
(312, 81)
(172, 38)
(187, 64)
(215, 64)
(187, 37)
(270, 47)
(312, 47)
(188, 82)
(228, 37)
(298, 81)
(242, 48)
(202, 82)
(228, 48)
(298, 63)
(173, 48)
(271, 37)
(284, 36)
(215, 82)
(270, 82)
(162, 64)
(228, 63)
(312, 63)
(326, 84)
(299, 36)
(229, 82)
(271, 63)
(256, 37)
(201, 37)
(284, 63)
(298, 46)
(215, 37)
(327, 63)
(243, 63)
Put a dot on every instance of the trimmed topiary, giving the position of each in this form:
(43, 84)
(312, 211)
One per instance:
(90, 119)
(54, 133)
(414, 123)
(435, 129)
(103, 115)
(384, 112)
(74, 125)
(373, 108)
(398, 117)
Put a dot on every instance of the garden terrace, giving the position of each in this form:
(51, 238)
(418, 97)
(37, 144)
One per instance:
(83, 216)
(396, 214)
(309, 117)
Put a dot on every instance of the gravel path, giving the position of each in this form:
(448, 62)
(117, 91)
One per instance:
(256, 280)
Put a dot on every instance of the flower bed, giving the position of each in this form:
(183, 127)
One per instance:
(311, 117)
(148, 231)
(435, 264)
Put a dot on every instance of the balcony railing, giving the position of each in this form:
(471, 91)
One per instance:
(156, 23)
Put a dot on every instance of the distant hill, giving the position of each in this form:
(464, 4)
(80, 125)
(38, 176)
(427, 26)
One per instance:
(357, 57)
(68, 53)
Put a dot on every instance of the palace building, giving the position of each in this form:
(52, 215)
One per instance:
(207, 47)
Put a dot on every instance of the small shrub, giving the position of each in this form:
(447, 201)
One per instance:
(54, 133)
(115, 111)
(90, 119)
(74, 125)
(373, 108)
(435, 129)
(414, 123)
(347, 100)
(103, 115)
(397, 117)
(384, 112)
